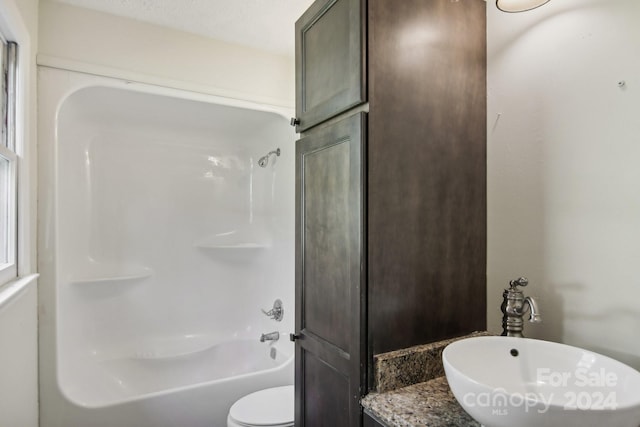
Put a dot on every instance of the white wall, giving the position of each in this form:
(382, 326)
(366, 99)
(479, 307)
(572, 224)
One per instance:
(95, 42)
(18, 300)
(564, 169)
(19, 355)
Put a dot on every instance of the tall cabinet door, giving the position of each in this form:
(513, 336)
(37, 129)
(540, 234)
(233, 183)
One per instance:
(330, 282)
(330, 63)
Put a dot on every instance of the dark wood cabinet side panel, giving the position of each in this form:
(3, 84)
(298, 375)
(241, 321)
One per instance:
(427, 171)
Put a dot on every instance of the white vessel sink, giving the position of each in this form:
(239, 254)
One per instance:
(521, 382)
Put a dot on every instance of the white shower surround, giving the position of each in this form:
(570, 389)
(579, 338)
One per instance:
(161, 239)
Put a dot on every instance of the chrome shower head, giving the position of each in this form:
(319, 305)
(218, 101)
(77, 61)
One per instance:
(264, 160)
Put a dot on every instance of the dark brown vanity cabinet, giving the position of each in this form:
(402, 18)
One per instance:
(391, 204)
(369, 421)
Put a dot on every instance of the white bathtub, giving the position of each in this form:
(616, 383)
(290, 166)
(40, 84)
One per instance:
(111, 381)
(160, 241)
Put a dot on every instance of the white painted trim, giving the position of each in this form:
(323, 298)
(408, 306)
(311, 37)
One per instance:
(13, 28)
(9, 270)
(130, 76)
(85, 80)
(10, 291)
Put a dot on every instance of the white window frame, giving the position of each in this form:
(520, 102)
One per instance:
(13, 29)
(9, 270)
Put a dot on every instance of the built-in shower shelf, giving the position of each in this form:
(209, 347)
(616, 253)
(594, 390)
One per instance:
(235, 240)
(248, 245)
(124, 275)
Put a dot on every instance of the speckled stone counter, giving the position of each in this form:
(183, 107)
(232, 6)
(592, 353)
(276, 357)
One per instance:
(413, 365)
(425, 404)
(411, 389)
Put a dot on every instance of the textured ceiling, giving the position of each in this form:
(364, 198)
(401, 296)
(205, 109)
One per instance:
(262, 24)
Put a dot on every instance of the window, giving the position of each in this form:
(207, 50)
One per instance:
(8, 163)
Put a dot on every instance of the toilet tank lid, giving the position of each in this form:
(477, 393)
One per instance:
(269, 407)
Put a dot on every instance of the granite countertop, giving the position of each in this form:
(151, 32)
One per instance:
(411, 390)
(421, 363)
(424, 404)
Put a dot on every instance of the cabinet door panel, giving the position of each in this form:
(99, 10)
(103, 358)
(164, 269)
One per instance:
(326, 397)
(326, 230)
(330, 285)
(329, 60)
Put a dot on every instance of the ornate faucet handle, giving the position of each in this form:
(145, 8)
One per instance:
(522, 281)
(277, 312)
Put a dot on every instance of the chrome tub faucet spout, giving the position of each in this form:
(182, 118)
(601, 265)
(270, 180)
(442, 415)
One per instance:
(514, 306)
(271, 336)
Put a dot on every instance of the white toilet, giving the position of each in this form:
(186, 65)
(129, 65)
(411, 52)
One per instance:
(271, 407)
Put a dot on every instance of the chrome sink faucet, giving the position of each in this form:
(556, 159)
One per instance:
(271, 336)
(514, 306)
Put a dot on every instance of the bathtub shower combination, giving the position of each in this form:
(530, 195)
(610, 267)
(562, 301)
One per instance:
(168, 228)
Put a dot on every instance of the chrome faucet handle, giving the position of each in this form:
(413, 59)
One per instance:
(277, 312)
(521, 281)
